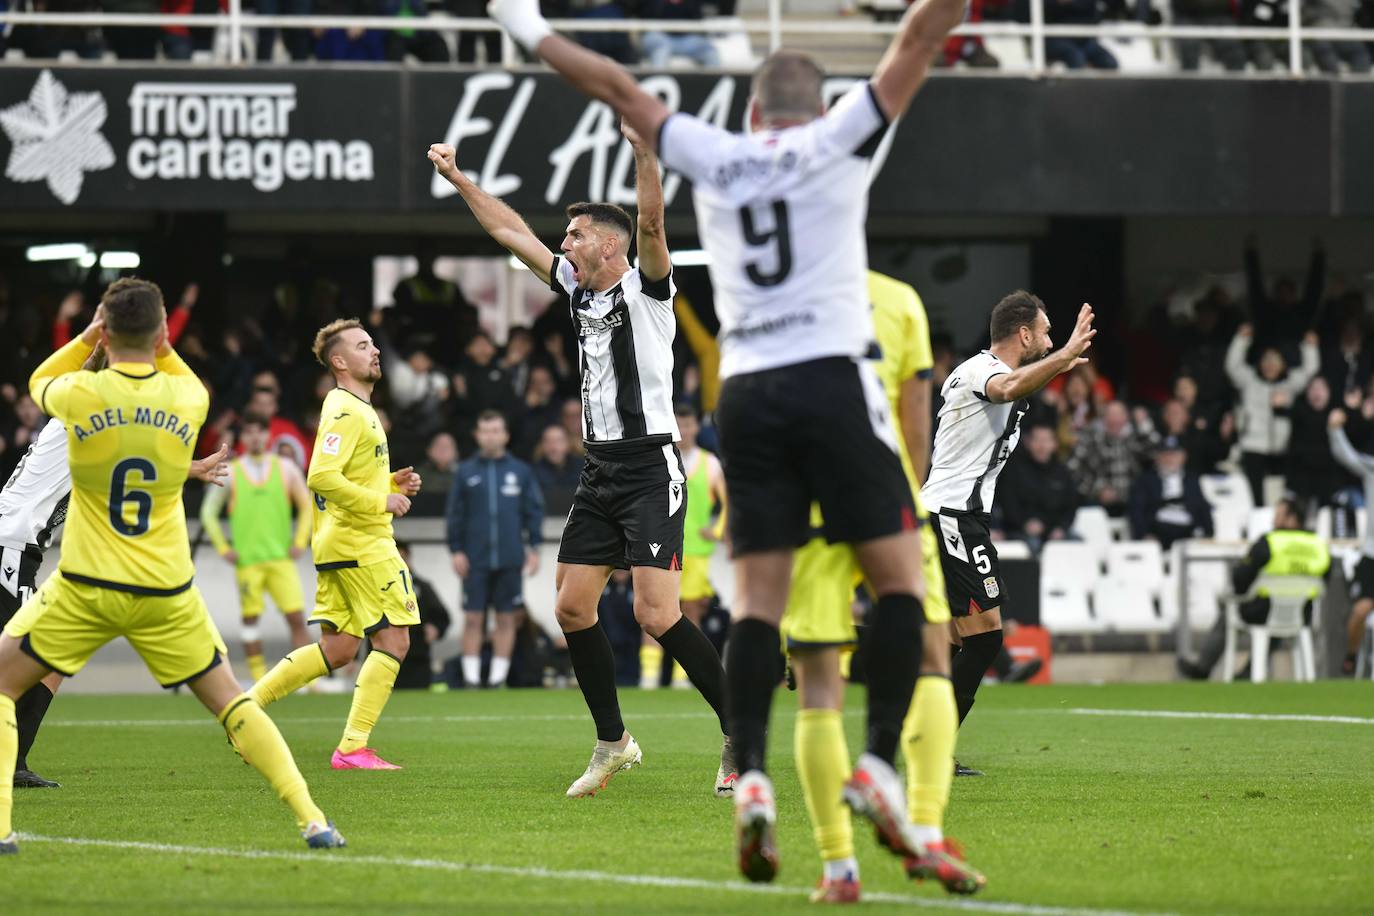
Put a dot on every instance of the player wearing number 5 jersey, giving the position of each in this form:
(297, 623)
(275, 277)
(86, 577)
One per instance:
(126, 561)
(363, 586)
(980, 424)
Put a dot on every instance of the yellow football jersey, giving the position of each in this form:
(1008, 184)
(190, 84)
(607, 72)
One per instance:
(903, 334)
(131, 434)
(350, 477)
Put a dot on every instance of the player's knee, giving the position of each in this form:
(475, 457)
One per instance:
(394, 641)
(655, 616)
(473, 621)
(339, 652)
(572, 618)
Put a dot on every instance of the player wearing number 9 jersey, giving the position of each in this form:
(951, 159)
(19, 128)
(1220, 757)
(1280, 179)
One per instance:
(126, 560)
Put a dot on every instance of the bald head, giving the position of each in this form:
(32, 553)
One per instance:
(787, 86)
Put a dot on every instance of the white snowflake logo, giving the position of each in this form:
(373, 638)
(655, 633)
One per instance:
(56, 137)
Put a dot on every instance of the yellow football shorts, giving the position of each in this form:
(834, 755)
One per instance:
(277, 578)
(360, 600)
(696, 584)
(824, 576)
(65, 622)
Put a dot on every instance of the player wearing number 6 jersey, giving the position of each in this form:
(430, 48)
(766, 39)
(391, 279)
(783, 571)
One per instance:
(363, 586)
(126, 561)
(802, 415)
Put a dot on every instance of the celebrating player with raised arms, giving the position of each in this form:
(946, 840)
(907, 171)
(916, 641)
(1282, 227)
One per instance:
(631, 500)
(802, 416)
(363, 586)
(126, 561)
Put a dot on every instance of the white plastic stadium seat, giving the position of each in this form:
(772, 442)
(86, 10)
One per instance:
(1229, 495)
(1287, 597)
(1126, 608)
(1068, 572)
(1137, 562)
(1092, 525)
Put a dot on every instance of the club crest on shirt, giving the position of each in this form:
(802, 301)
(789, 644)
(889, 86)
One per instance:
(990, 586)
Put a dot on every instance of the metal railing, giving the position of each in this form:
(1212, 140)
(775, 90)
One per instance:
(774, 25)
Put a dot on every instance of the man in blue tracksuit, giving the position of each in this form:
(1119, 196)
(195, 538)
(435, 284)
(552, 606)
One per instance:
(494, 515)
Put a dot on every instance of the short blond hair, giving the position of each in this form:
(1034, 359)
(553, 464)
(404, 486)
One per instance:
(327, 336)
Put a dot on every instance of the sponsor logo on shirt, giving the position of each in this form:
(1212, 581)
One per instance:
(331, 443)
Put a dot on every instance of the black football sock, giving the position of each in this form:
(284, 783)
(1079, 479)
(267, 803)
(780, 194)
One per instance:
(29, 710)
(977, 655)
(751, 674)
(690, 648)
(894, 660)
(593, 662)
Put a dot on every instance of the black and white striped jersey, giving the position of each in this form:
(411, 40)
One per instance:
(974, 439)
(34, 500)
(625, 345)
(782, 214)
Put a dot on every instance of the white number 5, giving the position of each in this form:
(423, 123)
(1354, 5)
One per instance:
(980, 560)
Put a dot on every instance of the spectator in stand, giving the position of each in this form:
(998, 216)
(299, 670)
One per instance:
(232, 370)
(517, 357)
(349, 44)
(1264, 55)
(431, 312)
(1336, 14)
(1204, 353)
(1167, 504)
(1312, 473)
(1359, 463)
(1074, 409)
(560, 361)
(661, 47)
(1206, 447)
(615, 45)
(417, 668)
(1349, 364)
(1108, 456)
(417, 389)
(422, 44)
(74, 304)
(541, 410)
(571, 421)
(1228, 52)
(1074, 53)
(495, 524)
(52, 40)
(29, 421)
(467, 41)
(1266, 400)
(441, 464)
(558, 470)
(286, 437)
(1280, 318)
(297, 41)
(1039, 498)
(481, 383)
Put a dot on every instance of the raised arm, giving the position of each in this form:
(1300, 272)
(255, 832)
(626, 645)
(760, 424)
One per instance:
(1311, 364)
(915, 46)
(654, 261)
(1030, 378)
(590, 73)
(1346, 454)
(500, 222)
(1237, 368)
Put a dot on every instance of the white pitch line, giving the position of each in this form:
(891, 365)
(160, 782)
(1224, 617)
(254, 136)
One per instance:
(585, 875)
(291, 720)
(1231, 716)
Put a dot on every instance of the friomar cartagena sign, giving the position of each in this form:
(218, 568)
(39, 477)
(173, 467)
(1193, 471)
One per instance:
(324, 138)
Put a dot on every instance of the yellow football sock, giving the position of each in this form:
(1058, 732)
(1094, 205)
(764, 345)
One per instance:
(928, 735)
(370, 694)
(257, 667)
(680, 675)
(823, 765)
(255, 735)
(9, 751)
(650, 665)
(290, 674)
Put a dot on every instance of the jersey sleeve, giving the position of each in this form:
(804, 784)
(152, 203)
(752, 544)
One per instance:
(661, 291)
(982, 372)
(691, 146)
(334, 445)
(52, 382)
(561, 276)
(922, 359)
(854, 124)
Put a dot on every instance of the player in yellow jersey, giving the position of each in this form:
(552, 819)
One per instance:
(364, 587)
(819, 625)
(262, 489)
(126, 560)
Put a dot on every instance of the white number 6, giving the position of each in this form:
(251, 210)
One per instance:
(981, 561)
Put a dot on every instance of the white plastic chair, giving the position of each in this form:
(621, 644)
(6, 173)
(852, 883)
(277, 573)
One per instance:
(1140, 563)
(1288, 595)
(1068, 572)
(1092, 524)
(1231, 502)
(1259, 523)
(1127, 608)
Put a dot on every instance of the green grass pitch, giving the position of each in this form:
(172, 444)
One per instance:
(1079, 812)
